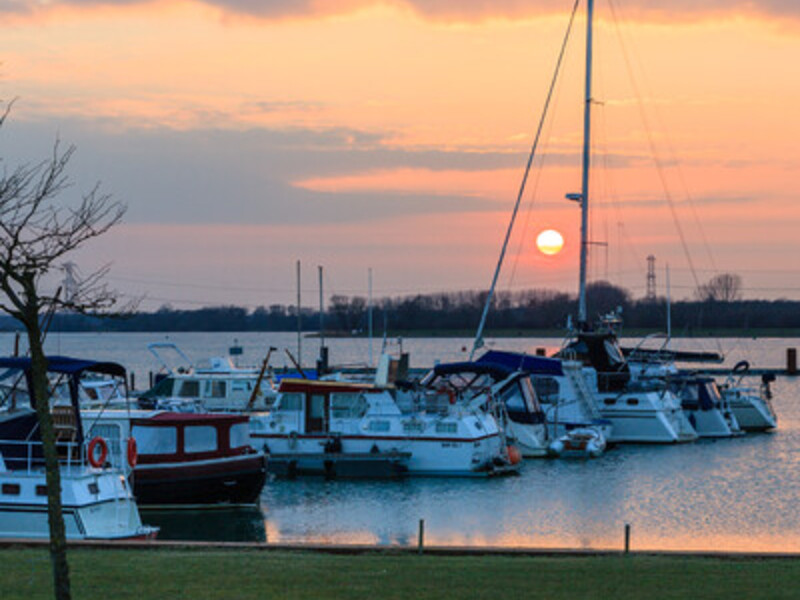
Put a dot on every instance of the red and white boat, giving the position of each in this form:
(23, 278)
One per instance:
(184, 458)
(421, 432)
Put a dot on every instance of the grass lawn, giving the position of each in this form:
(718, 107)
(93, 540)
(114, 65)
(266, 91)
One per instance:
(200, 574)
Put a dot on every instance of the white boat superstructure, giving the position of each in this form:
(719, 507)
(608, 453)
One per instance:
(218, 386)
(505, 392)
(97, 500)
(640, 411)
(706, 409)
(563, 394)
(441, 437)
(752, 406)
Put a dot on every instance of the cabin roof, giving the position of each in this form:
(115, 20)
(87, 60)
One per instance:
(304, 385)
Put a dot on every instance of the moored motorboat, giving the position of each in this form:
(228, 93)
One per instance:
(751, 406)
(97, 501)
(185, 458)
(442, 437)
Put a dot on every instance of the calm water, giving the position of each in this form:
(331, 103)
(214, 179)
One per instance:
(738, 494)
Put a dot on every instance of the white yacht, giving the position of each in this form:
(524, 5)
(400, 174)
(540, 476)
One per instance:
(566, 400)
(639, 410)
(751, 406)
(218, 386)
(325, 425)
(97, 500)
(507, 392)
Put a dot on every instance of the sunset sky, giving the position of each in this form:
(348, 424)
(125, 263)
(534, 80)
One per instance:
(357, 134)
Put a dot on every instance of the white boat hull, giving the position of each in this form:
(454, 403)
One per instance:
(109, 514)
(645, 417)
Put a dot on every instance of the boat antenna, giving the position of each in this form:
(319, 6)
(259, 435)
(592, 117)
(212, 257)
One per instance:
(478, 343)
(586, 163)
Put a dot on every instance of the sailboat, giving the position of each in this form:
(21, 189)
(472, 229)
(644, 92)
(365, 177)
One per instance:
(638, 412)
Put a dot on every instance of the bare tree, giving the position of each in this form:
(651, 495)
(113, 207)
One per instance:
(725, 287)
(36, 235)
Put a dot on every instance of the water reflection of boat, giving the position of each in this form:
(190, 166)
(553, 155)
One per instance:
(96, 499)
(209, 524)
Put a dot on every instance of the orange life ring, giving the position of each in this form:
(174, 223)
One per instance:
(133, 453)
(97, 461)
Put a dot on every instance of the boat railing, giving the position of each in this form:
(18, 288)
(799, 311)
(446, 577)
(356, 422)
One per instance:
(28, 456)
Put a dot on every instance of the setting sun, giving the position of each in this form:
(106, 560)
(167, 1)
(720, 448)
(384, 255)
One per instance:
(550, 242)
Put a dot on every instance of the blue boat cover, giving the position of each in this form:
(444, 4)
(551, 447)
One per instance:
(64, 364)
(496, 370)
(517, 361)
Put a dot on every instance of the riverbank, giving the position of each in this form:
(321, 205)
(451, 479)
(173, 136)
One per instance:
(198, 574)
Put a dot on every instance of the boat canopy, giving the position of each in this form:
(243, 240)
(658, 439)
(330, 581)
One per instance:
(517, 361)
(65, 364)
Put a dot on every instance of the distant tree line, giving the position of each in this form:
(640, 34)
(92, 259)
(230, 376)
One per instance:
(717, 305)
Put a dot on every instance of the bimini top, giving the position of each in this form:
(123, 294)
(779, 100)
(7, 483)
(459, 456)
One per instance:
(64, 364)
(517, 361)
(495, 370)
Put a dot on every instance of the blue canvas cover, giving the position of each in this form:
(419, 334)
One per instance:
(517, 361)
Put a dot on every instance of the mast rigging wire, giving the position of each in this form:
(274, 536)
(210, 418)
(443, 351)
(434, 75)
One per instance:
(479, 334)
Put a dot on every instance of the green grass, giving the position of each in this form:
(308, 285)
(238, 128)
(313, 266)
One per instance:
(201, 574)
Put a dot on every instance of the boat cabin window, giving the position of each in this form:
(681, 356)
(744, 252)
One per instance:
(155, 440)
(190, 388)
(41, 490)
(348, 406)
(200, 438)
(215, 389)
(447, 428)
(413, 426)
(291, 401)
(241, 386)
(240, 435)
(513, 399)
(547, 389)
(380, 426)
(11, 489)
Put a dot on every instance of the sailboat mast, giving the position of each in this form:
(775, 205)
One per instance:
(587, 128)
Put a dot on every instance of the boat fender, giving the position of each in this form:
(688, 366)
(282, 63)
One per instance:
(451, 395)
(514, 455)
(94, 444)
(292, 439)
(132, 453)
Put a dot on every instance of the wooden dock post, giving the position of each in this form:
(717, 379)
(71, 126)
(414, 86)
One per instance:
(627, 538)
(791, 361)
(541, 352)
(421, 538)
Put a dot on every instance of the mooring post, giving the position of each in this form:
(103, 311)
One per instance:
(791, 361)
(627, 538)
(421, 540)
(541, 352)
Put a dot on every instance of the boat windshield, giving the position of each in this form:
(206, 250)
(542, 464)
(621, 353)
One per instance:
(13, 389)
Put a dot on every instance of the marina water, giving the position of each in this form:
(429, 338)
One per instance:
(731, 494)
